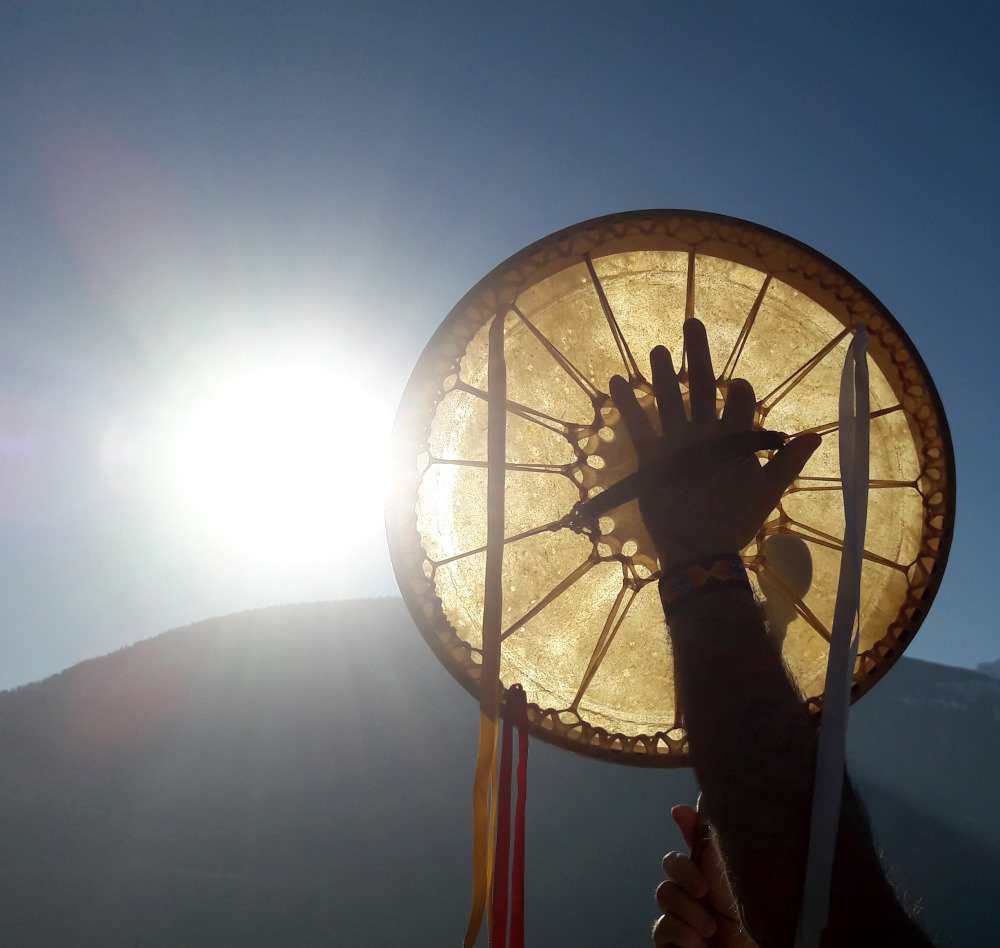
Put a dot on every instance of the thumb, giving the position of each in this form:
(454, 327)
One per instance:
(788, 462)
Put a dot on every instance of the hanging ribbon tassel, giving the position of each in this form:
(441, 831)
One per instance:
(483, 792)
(516, 716)
(517, 873)
(829, 782)
(520, 714)
(483, 814)
(501, 864)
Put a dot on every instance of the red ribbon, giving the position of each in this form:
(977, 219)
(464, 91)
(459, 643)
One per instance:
(516, 716)
(517, 879)
(501, 862)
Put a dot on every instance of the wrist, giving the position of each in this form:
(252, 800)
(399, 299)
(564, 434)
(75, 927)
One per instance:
(675, 556)
(689, 581)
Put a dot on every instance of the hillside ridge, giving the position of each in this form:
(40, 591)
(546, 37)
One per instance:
(290, 774)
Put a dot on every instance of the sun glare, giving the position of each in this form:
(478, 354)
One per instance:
(286, 461)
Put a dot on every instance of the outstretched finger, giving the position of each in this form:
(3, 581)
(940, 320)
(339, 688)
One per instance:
(669, 401)
(740, 405)
(701, 377)
(640, 428)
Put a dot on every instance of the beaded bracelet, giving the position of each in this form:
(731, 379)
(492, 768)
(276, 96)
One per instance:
(703, 575)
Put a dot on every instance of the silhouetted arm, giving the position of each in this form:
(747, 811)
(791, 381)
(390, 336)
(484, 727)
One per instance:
(754, 749)
(753, 746)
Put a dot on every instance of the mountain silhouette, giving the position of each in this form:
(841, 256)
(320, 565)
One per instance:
(301, 775)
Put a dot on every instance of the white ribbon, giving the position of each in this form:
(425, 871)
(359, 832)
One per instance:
(829, 783)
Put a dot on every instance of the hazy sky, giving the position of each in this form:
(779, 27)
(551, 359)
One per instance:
(194, 194)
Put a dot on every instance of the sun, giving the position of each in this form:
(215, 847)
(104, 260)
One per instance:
(285, 460)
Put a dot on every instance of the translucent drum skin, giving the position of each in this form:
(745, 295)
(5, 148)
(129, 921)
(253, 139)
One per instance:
(582, 631)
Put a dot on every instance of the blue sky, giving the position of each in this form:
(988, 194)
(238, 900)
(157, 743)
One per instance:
(184, 187)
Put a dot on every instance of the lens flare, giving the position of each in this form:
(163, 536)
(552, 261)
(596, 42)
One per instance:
(281, 462)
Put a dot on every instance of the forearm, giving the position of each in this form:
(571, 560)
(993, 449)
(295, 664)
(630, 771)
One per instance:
(753, 748)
